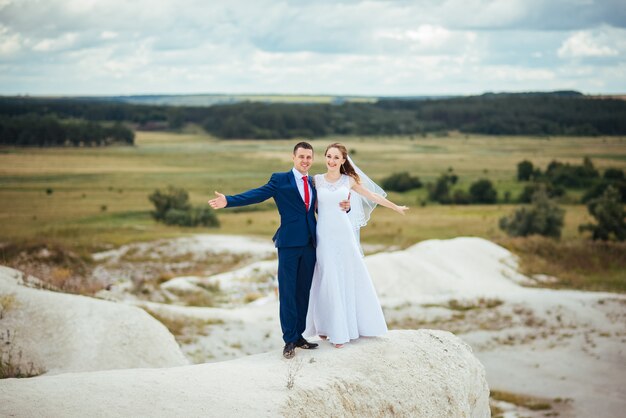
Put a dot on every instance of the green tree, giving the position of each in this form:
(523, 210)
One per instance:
(461, 197)
(482, 191)
(401, 182)
(614, 174)
(172, 207)
(544, 217)
(608, 211)
(530, 189)
(525, 170)
(440, 191)
(173, 198)
(574, 176)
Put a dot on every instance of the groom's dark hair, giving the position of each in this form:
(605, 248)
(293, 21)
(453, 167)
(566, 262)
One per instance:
(304, 145)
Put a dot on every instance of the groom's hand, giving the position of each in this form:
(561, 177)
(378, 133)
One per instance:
(345, 204)
(219, 202)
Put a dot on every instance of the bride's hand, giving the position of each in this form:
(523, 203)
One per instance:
(401, 209)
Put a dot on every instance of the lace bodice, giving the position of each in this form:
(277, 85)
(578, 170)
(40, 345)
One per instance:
(321, 182)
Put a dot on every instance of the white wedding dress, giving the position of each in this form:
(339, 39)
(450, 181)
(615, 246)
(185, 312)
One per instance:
(343, 304)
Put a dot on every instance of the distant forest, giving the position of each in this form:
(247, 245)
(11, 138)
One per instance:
(74, 121)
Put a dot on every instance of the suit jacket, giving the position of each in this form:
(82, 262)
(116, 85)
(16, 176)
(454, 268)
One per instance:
(297, 225)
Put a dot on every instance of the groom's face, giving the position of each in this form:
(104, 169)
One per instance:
(302, 160)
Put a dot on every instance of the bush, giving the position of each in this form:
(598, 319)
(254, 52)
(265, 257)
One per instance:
(204, 216)
(612, 177)
(609, 213)
(530, 189)
(173, 198)
(614, 174)
(575, 176)
(173, 208)
(544, 217)
(178, 217)
(440, 191)
(401, 182)
(525, 170)
(599, 188)
(461, 197)
(482, 191)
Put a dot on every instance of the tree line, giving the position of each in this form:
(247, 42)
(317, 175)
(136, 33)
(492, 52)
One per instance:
(46, 131)
(562, 113)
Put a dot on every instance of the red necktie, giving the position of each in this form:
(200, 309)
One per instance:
(306, 192)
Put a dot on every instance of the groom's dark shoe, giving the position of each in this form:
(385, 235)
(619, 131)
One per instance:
(302, 343)
(290, 350)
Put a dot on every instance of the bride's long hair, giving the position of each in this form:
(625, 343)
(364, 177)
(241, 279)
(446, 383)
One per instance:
(346, 167)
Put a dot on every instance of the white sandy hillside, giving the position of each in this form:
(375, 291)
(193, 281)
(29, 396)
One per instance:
(464, 267)
(406, 373)
(60, 332)
(541, 342)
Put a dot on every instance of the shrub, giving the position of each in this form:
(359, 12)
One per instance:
(482, 191)
(609, 213)
(173, 208)
(525, 170)
(172, 198)
(531, 189)
(205, 216)
(401, 182)
(461, 197)
(544, 217)
(575, 176)
(599, 188)
(440, 191)
(614, 174)
(178, 217)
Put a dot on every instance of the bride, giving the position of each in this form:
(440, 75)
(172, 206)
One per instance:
(343, 304)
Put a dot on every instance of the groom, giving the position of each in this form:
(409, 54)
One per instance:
(295, 240)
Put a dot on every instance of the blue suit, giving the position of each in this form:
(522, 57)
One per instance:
(295, 241)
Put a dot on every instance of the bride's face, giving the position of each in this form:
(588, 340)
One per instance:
(334, 159)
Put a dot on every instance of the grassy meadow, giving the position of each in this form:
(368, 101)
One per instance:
(93, 198)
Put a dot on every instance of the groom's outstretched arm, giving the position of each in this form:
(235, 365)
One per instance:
(250, 197)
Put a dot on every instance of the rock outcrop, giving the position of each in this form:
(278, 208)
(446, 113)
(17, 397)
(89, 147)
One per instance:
(59, 332)
(424, 373)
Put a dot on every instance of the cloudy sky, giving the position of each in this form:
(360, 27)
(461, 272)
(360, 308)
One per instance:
(374, 47)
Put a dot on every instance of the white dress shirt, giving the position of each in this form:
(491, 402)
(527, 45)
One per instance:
(300, 184)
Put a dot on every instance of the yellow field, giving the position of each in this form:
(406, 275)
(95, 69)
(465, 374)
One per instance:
(95, 196)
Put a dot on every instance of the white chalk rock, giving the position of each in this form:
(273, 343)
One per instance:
(423, 373)
(462, 267)
(60, 332)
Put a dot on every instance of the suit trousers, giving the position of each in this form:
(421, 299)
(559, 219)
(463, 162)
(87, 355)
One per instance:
(295, 273)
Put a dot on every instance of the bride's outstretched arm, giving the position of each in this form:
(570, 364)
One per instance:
(375, 197)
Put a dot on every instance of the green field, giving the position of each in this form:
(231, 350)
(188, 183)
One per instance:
(99, 195)
(92, 198)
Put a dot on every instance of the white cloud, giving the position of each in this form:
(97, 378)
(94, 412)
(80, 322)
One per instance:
(423, 35)
(10, 43)
(108, 35)
(349, 47)
(64, 41)
(586, 44)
